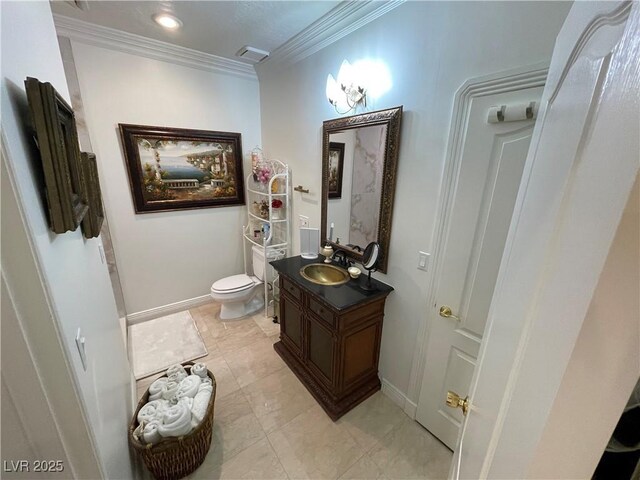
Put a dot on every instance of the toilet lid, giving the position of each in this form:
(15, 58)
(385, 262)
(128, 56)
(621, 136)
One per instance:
(234, 283)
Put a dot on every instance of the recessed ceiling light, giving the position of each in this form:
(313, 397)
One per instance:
(167, 21)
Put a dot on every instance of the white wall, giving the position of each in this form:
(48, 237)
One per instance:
(170, 256)
(604, 352)
(430, 49)
(76, 280)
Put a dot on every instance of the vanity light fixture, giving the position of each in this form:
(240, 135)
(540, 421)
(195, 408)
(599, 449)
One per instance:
(167, 21)
(346, 93)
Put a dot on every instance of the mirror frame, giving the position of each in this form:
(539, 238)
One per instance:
(391, 118)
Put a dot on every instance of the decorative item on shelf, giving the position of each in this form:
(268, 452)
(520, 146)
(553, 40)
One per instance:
(256, 159)
(327, 251)
(264, 209)
(354, 272)
(255, 208)
(276, 209)
(264, 172)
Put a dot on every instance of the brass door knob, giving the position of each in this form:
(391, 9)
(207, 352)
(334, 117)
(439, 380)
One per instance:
(445, 311)
(454, 401)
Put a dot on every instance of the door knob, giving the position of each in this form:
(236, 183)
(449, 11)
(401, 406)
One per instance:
(454, 401)
(445, 312)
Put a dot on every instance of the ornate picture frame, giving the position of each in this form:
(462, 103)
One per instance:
(57, 139)
(181, 169)
(92, 221)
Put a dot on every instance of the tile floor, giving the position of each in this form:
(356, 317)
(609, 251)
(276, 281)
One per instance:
(267, 426)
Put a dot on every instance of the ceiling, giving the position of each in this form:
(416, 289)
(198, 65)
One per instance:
(216, 27)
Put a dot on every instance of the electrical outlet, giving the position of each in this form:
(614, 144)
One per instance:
(423, 261)
(303, 221)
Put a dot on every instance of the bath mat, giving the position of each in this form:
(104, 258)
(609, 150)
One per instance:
(159, 343)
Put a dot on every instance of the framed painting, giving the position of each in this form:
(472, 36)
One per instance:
(54, 124)
(180, 169)
(336, 165)
(92, 221)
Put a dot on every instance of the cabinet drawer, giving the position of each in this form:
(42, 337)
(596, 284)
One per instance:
(290, 288)
(321, 311)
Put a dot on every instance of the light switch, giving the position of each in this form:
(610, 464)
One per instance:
(303, 221)
(423, 261)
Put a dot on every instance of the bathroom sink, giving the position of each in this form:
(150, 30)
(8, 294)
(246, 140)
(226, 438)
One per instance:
(324, 274)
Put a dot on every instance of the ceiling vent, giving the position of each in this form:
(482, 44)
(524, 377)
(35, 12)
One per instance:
(252, 54)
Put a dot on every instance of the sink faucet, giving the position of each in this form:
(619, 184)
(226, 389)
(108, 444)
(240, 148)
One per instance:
(341, 257)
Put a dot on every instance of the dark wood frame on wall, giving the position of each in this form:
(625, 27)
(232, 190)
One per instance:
(57, 138)
(337, 147)
(129, 134)
(92, 221)
(392, 119)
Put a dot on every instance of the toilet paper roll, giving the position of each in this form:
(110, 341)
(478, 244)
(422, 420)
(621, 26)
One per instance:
(512, 113)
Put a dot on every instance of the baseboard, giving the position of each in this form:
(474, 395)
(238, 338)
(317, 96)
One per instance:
(143, 316)
(399, 398)
(410, 409)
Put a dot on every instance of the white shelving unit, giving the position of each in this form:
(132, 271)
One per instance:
(263, 230)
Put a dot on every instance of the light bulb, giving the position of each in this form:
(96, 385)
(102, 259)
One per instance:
(167, 21)
(332, 89)
(345, 75)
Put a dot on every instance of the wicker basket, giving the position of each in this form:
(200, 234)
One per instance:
(175, 458)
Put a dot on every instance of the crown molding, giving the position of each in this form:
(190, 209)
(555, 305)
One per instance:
(344, 19)
(125, 42)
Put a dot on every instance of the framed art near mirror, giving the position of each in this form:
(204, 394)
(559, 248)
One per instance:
(54, 124)
(365, 165)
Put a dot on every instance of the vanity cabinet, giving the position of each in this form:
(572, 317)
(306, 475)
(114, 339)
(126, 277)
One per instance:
(333, 351)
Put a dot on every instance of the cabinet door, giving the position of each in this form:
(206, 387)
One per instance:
(291, 327)
(320, 350)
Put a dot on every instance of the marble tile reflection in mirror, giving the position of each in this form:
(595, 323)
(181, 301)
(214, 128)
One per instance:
(355, 213)
(359, 162)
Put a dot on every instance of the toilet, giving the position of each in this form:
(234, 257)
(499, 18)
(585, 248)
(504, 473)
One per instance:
(241, 295)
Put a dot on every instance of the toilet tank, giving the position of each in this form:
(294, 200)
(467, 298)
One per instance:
(258, 261)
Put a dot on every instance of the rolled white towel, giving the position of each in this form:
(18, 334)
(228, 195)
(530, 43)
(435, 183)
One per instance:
(206, 381)
(152, 410)
(155, 389)
(177, 376)
(199, 369)
(177, 368)
(200, 404)
(138, 433)
(176, 421)
(189, 386)
(188, 401)
(150, 433)
(170, 390)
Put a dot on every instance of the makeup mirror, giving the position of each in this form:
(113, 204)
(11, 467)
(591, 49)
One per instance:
(370, 258)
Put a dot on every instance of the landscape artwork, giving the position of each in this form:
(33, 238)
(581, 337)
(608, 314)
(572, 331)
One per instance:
(174, 169)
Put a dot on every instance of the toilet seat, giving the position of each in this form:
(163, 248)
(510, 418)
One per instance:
(234, 284)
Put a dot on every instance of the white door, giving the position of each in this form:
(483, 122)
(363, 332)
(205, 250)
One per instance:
(580, 169)
(483, 196)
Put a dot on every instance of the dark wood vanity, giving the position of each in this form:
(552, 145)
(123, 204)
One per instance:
(330, 335)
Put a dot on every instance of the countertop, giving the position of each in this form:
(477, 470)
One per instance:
(340, 297)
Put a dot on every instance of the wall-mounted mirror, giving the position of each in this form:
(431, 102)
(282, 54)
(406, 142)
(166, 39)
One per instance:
(359, 162)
